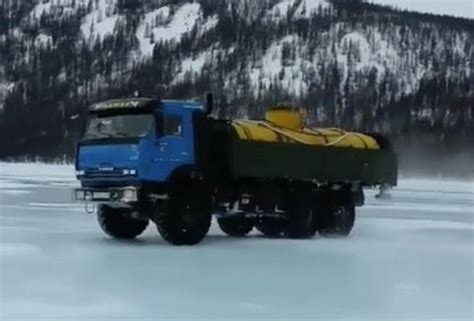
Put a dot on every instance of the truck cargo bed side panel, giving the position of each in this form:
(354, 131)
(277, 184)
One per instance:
(251, 159)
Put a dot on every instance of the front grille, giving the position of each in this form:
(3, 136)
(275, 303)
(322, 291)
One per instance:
(115, 173)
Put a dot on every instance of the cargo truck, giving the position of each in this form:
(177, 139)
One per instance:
(143, 160)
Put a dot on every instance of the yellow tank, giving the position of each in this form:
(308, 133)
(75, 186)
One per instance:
(282, 124)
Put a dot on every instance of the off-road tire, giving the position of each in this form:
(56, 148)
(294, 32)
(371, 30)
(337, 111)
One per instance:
(117, 224)
(302, 218)
(183, 221)
(301, 223)
(338, 220)
(271, 227)
(236, 227)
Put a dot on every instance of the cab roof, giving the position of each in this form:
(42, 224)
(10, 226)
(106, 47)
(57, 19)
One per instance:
(124, 103)
(144, 103)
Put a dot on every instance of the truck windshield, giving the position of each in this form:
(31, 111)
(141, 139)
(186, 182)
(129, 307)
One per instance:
(118, 126)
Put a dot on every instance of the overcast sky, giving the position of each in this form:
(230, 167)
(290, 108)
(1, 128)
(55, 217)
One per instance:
(460, 8)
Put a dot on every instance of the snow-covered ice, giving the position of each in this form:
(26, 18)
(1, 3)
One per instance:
(409, 258)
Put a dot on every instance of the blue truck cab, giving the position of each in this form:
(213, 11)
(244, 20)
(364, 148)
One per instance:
(146, 159)
(130, 142)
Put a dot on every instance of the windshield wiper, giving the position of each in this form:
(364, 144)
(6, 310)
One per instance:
(121, 134)
(99, 135)
(91, 136)
(106, 135)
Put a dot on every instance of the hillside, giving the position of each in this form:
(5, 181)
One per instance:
(346, 63)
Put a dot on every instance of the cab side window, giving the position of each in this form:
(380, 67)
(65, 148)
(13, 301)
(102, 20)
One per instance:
(173, 125)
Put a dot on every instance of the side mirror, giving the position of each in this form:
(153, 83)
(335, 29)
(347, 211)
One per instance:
(209, 103)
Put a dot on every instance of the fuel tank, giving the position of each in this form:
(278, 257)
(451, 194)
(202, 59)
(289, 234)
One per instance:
(285, 125)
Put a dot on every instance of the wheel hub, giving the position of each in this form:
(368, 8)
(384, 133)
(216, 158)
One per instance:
(340, 212)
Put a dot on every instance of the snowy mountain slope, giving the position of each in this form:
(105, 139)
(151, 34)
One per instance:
(353, 49)
(346, 62)
(160, 25)
(100, 21)
(300, 9)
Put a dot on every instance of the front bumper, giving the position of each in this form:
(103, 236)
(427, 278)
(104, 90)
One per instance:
(106, 195)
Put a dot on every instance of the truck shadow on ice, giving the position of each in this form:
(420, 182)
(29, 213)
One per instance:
(214, 239)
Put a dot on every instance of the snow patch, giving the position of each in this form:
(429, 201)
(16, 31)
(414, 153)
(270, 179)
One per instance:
(357, 52)
(359, 44)
(59, 7)
(5, 89)
(182, 22)
(308, 7)
(101, 21)
(304, 10)
(280, 10)
(191, 67)
(210, 23)
(285, 70)
(41, 8)
(42, 40)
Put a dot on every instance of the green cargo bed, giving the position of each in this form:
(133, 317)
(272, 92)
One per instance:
(252, 159)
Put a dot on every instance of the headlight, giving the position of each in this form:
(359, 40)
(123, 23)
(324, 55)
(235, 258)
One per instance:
(126, 172)
(133, 172)
(80, 173)
(129, 195)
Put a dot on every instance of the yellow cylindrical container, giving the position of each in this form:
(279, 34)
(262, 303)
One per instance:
(285, 125)
(285, 117)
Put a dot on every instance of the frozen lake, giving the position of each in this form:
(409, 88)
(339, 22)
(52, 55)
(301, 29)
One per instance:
(409, 258)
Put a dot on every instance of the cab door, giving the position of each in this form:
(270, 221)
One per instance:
(173, 147)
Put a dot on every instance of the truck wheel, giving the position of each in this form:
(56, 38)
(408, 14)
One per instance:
(235, 226)
(271, 228)
(301, 223)
(301, 213)
(116, 223)
(183, 221)
(338, 220)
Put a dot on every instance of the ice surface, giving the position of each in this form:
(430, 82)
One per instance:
(409, 258)
(36, 172)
